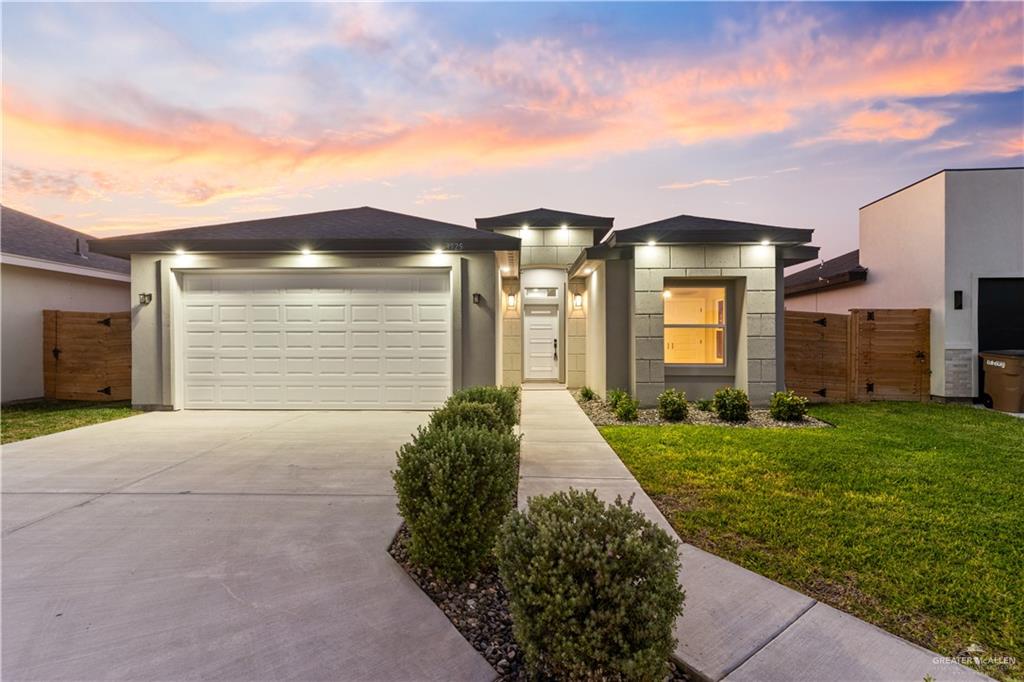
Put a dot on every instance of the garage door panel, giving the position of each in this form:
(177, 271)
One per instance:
(317, 340)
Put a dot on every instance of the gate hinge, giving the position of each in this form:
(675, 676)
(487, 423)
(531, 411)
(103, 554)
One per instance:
(871, 387)
(105, 389)
(919, 355)
(871, 314)
(822, 322)
(105, 321)
(823, 392)
(56, 353)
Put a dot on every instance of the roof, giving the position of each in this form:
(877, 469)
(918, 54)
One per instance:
(688, 229)
(836, 272)
(938, 172)
(545, 217)
(27, 236)
(351, 229)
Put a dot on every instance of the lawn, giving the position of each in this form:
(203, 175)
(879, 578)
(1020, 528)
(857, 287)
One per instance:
(908, 515)
(40, 417)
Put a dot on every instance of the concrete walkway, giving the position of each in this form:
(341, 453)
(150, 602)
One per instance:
(737, 625)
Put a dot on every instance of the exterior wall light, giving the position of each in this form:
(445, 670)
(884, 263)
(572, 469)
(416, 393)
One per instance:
(306, 252)
(577, 301)
(564, 227)
(179, 252)
(511, 303)
(587, 271)
(666, 294)
(145, 299)
(650, 242)
(504, 268)
(765, 242)
(438, 251)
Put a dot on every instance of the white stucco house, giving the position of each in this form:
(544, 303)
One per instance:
(47, 266)
(369, 309)
(952, 242)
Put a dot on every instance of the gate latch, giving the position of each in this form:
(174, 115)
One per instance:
(56, 353)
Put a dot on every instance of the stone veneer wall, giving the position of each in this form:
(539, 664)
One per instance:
(754, 265)
(959, 372)
(550, 246)
(511, 336)
(576, 343)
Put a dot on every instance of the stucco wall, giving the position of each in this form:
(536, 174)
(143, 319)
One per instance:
(595, 305)
(26, 293)
(618, 324)
(153, 326)
(754, 269)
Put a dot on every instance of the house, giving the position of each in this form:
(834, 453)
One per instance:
(952, 242)
(369, 309)
(47, 266)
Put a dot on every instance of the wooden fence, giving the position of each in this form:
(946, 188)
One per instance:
(877, 354)
(87, 356)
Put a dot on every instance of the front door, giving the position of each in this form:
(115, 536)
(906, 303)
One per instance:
(541, 341)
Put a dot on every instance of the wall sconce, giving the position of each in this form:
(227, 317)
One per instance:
(511, 301)
(477, 299)
(145, 299)
(577, 300)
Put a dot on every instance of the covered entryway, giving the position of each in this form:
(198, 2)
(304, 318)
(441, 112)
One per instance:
(316, 340)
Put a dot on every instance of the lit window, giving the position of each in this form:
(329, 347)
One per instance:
(694, 325)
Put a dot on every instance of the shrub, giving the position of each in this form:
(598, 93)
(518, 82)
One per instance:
(787, 406)
(614, 396)
(455, 484)
(483, 415)
(704, 404)
(505, 400)
(627, 409)
(672, 405)
(587, 394)
(731, 404)
(593, 588)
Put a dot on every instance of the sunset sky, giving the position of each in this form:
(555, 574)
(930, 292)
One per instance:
(128, 118)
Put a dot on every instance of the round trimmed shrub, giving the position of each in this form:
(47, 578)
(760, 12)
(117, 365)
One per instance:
(627, 409)
(455, 484)
(672, 405)
(731, 404)
(505, 400)
(454, 414)
(787, 406)
(613, 397)
(593, 588)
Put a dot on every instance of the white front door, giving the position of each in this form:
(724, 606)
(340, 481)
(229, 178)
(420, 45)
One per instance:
(541, 341)
(317, 340)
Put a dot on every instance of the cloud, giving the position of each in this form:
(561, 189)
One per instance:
(435, 194)
(715, 182)
(897, 122)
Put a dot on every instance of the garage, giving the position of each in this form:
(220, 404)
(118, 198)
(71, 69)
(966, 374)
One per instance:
(316, 340)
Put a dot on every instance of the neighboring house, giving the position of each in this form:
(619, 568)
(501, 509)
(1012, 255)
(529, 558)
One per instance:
(953, 243)
(46, 266)
(370, 309)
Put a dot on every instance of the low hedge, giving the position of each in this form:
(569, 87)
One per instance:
(455, 484)
(672, 405)
(505, 400)
(483, 415)
(593, 588)
(787, 406)
(731, 404)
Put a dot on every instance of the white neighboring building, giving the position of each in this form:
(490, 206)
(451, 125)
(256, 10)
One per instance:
(45, 266)
(952, 242)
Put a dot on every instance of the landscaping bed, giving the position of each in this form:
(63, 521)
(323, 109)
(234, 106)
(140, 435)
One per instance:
(603, 415)
(908, 515)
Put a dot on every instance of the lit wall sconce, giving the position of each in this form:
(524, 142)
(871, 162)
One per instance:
(511, 303)
(145, 299)
(577, 300)
(477, 299)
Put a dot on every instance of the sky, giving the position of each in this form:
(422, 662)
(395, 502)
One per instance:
(121, 118)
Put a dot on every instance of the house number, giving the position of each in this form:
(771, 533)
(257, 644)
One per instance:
(453, 246)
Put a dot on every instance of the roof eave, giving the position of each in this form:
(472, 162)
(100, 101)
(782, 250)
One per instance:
(126, 247)
(837, 281)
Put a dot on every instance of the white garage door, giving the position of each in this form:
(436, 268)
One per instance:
(305, 340)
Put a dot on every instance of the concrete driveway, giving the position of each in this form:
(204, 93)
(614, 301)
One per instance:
(216, 545)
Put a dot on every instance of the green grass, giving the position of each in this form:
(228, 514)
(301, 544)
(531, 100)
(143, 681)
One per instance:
(40, 417)
(908, 515)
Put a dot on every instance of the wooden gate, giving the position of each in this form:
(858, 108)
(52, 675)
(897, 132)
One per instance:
(87, 356)
(870, 354)
(817, 355)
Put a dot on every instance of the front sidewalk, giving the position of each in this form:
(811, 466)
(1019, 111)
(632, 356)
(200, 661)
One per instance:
(737, 625)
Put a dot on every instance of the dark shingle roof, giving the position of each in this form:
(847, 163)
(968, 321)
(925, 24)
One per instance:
(688, 229)
(544, 217)
(22, 234)
(838, 271)
(352, 229)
